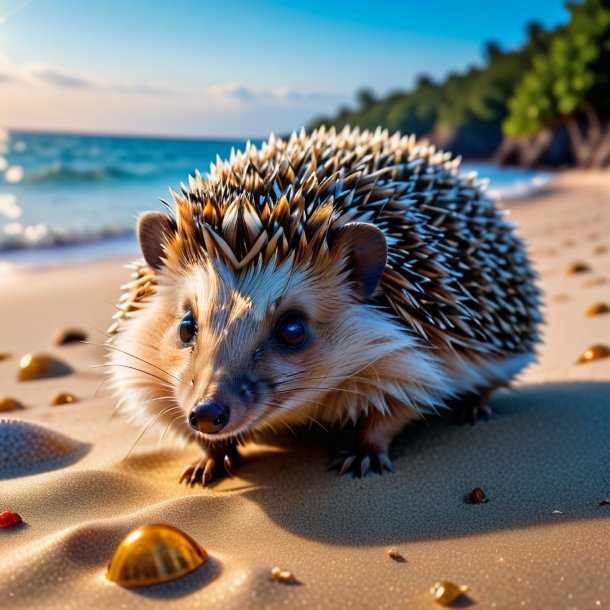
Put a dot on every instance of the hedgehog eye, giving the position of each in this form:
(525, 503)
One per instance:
(188, 328)
(292, 330)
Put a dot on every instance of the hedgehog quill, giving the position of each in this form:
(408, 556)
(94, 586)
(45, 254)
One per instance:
(330, 277)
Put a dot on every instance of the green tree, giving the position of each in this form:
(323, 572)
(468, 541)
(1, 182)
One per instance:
(569, 85)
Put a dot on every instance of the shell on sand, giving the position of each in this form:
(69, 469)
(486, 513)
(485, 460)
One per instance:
(154, 554)
(40, 366)
(10, 404)
(597, 309)
(23, 444)
(595, 352)
(63, 398)
(69, 335)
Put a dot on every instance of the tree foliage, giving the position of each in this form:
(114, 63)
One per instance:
(567, 78)
(555, 76)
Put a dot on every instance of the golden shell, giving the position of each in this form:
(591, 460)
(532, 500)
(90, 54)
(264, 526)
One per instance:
(445, 592)
(63, 398)
(154, 554)
(10, 404)
(577, 267)
(595, 352)
(40, 366)
(597, 309)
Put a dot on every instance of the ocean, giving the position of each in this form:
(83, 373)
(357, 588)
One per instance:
(71, 198)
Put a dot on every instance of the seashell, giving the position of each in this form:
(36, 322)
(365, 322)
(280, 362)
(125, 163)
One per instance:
(10, 404)
(395, 555)
(446, 592)
(63, 398)
(577, 267)
(285, 576)
(9, 519)
(595, 352)
(476, 496)
(596, 309)
(39, 366)
(69, 335)
(154, 554)
(23, 445)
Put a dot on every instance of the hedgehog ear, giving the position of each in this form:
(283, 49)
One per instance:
(366, 249)
(154, 230)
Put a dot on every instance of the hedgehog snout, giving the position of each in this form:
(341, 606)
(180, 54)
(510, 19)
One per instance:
(209, 416)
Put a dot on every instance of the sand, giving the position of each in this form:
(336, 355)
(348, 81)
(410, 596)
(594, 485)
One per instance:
(542, 540)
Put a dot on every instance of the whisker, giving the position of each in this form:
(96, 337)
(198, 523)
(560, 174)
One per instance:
(133, 368)
(150, 423)
(136, 357)
(173, 419)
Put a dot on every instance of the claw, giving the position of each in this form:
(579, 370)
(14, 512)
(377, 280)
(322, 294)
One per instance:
(347, 464)
(207, 473)
(228, 465)
(385, 463)
(365, 465)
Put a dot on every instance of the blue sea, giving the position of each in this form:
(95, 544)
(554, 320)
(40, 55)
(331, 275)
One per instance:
(72, 198)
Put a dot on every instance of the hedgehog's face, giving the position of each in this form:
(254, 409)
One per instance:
(238, 351)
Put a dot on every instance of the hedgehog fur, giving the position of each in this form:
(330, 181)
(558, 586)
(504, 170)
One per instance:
(457, 278)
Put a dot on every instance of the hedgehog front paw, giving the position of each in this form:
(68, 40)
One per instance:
(362, 461)
(211, 466)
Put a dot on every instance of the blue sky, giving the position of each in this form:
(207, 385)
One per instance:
(229, 68)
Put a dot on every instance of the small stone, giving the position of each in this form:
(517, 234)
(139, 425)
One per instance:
(284, 576)
(69, 335)
(395, 555)
(63, 398)
(596, 309)
(10, 404)
(445, 592)
(577, 267)
(595, 352)
(40, 366)
(9, 519)
(605, 502)
(476, 496)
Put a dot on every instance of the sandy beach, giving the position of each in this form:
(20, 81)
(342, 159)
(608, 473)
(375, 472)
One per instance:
(542, 540)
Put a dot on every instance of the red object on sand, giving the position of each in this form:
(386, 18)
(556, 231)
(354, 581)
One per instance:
(9, 519)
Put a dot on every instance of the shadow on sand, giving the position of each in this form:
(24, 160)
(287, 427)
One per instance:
(548, 449)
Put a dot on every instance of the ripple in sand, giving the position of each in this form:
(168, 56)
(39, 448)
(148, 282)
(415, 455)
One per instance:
(597, 309)
(577, 267)
(599, 250)
(595, 352)
(40, 366)
(10, 404)
(27, 446)
(154, 554)
(63, 398)
(69, 335)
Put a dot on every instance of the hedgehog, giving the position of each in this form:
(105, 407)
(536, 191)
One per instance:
(334, 277)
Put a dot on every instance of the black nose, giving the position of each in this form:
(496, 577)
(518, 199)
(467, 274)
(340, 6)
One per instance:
(209, 416)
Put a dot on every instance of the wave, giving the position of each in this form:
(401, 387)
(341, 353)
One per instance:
(62, 172)
(40, 236)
